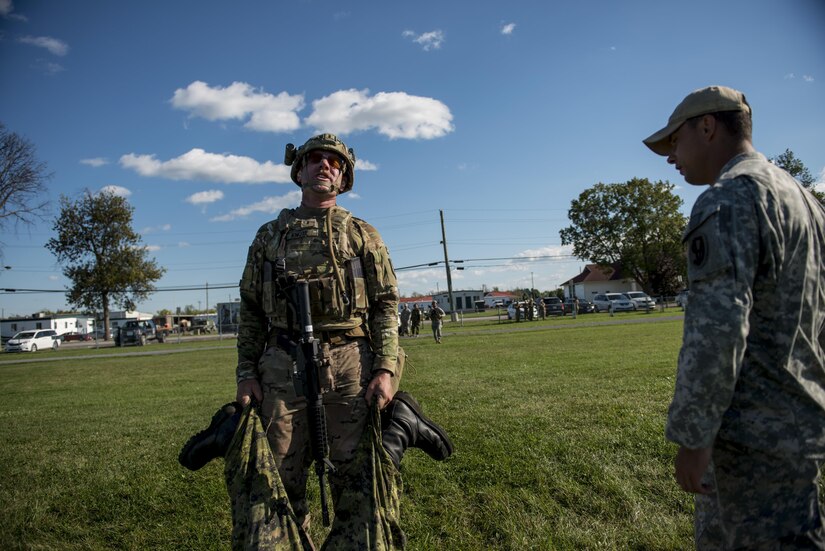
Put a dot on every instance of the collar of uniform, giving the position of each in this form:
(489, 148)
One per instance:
(310, 212)
(753, 155)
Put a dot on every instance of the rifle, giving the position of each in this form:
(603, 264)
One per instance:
(308, 365)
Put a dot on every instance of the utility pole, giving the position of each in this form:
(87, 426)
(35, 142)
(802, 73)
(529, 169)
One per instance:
(447, 267)
(207, 297)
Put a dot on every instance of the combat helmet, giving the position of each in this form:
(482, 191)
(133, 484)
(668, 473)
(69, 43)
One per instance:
(328, 142)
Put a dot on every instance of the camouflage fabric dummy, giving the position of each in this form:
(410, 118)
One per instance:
(373, 480)
(751, 376)
(261, 515)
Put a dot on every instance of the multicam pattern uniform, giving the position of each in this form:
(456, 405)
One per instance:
(366, 335)
(751, 377)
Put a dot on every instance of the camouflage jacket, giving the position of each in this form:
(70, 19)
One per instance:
(381, 290)
(751, 368)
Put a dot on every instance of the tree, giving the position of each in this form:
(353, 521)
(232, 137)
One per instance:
(789, 163)
(23, 194)
(102, 254)
(636, 225)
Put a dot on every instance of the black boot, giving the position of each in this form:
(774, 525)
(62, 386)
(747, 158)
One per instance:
(404, 425)
(213, 441)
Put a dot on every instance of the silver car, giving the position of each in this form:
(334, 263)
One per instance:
(641, 300)
(615, 301)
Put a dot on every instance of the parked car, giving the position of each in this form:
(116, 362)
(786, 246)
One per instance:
(554, 306)
(34, 340)
(511, 311)
(584, 306)
(75, 336)
(682, 298)
(619, 303)
(641, 300)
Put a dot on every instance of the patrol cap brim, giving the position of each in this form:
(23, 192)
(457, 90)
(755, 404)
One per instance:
(704, 101)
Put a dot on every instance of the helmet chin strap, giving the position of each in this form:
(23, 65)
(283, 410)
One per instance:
(332, 187)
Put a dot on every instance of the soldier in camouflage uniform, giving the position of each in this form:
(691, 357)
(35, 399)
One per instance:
(415, 320)
(749, 407)
(354, 300)
(436, 316)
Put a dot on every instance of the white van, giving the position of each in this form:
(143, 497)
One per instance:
(34, 340)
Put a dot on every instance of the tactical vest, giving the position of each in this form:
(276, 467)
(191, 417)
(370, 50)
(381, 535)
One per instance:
(303, 247)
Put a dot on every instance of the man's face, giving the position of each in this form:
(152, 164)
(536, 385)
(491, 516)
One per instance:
(688, 152)
(321, 172)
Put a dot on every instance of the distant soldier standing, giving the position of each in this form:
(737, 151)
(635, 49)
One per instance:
(436, 315)
(749, 408)
(542, 310)
(405, 321)
(415, 319)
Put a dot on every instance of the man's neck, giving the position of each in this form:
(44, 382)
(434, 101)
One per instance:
(315, 201)
(724, 155)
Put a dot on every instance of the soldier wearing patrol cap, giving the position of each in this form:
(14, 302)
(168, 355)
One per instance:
(354, 300)
(748, 410)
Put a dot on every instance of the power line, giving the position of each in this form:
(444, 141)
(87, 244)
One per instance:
(10, 291)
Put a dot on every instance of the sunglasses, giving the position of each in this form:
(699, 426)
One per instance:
(335, 161)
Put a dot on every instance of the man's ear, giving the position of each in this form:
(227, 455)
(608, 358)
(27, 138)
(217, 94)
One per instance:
(298, 174)
(707, 127)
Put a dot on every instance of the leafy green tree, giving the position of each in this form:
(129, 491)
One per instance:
(796, 168)
(102, 254)
(635, 224)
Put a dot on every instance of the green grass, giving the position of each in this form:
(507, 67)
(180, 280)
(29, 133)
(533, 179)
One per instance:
(558, 435)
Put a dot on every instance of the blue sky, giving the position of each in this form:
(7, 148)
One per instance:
(497, 113)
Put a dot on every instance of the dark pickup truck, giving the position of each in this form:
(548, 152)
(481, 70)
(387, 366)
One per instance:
(138, 332)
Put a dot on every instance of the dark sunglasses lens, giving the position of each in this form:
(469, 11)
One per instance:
(334, 160)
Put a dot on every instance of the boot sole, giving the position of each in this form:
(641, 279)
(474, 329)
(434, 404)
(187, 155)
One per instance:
(413, 404)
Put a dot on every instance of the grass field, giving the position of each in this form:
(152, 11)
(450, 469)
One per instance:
(558, 435)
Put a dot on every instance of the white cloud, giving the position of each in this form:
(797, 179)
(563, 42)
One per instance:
(155, 229)
(53, 277)
(508, 28)
(428, 41)
(363, 164)
(393, 114)
(266, 112)
(116, 190)
(819, 184)
(352, 195)
(789, 76)
(152, 248)
(197, 164)
(807, 78)
(96, 162)
(7, 11)
(205, 197)
(54, 45)
(183, 245)
(270, 205)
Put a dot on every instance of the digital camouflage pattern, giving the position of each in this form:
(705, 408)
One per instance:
(369, 508)
(751, 372)
(308, 254)
(368, 511)
(261, 515)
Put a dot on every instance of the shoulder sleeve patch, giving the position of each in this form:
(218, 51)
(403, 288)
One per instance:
(706, 255)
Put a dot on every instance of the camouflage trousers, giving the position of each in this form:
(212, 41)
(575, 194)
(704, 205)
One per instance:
(761, 501)
(287, 430)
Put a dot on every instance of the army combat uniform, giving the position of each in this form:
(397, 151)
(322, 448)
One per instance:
(751, 375)
(354, 300)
